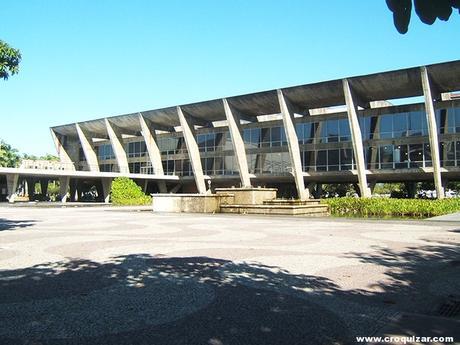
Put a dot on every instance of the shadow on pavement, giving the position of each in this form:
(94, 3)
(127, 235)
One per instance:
(143, 299)
(7, 224)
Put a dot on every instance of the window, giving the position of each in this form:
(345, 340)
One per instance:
(416, 155)
(333, 162)
(346, 159)
(386, 126)
(344, 129)
(386, 157)
(321, 160)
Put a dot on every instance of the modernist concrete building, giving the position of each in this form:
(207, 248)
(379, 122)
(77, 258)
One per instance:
(295, 138)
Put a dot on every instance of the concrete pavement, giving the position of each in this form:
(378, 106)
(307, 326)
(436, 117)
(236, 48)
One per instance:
(113, 276)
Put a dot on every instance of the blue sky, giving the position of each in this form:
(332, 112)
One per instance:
(85, 59)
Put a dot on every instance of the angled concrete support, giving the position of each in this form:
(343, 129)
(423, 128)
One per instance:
(236, 133)
(432, 131)
(106, 187)
(148, 132)
(287, 113)
(194, 154)
(88, 148)
(116, 141)
(352, 110)
(12, 181)
(63, 154)
(63, 187)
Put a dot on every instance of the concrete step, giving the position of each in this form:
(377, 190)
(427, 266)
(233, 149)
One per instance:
(292, 202)
(294, 210)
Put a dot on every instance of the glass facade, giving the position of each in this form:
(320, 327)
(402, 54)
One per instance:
(105, 152)
(136, 149)
(393, 138)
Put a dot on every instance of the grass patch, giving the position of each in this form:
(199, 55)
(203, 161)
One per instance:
(388, 207)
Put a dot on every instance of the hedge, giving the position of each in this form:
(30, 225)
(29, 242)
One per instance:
(417, 208)
(126, 192)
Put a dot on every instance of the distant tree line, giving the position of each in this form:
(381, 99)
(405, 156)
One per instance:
(11, 158)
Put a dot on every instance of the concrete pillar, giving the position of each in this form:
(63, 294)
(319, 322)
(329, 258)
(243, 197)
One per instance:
(236, 133)
(88, 148)
(372, 186)
(192, 147)
(73, 190)
(357, 189)
(63, 154)
(411, 188)
(293, 144)
(357, 141)
(312, 188)
(106, 187)
(318, 190)
(162, 187)
(30, 187)
(44, 186)
(148, 132)
(12, 181)
(116, 141)
(432, 132)
(63, 187)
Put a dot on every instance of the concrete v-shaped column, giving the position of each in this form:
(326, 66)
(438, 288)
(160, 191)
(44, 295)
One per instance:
(63, 155)
(357, 141)
(148, 132)
(236, 133)
(116, 141)
(432, 131)
(194, 153)
(293, 145)
(88, 148)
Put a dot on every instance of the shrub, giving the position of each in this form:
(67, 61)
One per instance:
(126, 192)
(416, 208)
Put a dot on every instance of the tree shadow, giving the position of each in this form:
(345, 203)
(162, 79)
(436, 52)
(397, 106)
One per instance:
(423, 283)
(7, 224)
(140, 299)
(144, 299)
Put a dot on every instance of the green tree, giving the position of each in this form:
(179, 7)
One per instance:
(9, 60)
(9, 157)
(427, 10)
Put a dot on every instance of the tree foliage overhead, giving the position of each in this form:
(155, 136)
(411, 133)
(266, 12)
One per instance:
(9, 60)
(427, 10)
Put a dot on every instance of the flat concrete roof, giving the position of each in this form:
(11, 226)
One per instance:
(401, 83)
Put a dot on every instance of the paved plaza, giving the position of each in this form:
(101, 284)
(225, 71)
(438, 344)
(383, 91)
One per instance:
(106, 275)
